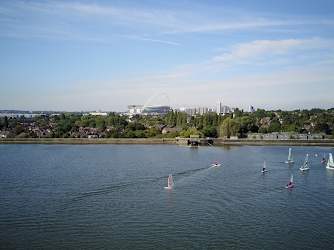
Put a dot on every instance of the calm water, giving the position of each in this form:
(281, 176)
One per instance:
(113, 197)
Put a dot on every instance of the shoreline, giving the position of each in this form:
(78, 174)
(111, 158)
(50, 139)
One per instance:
(167, 141)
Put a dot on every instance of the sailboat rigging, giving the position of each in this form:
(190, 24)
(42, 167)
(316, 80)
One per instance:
(290, 183)
(290, 158)
(305, 166)
(264, 167)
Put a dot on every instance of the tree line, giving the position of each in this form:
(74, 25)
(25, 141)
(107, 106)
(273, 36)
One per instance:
(207, 125)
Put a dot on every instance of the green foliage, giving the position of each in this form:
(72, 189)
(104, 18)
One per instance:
(228, 128)
(5, 122)
(187, 133)
(13, 124)
(260, 113)
(152, 132)
(210, 131)
(292, 128)
(171, 134)
(321, 128)
(245, 124)
(274, 127)
(18, 129)
(262, 130)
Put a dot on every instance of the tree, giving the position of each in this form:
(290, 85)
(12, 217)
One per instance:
(321, 128)
(228, 128)
(18, 129)
(5, 122)
(293, 128)
(187, 133)
(263, 130)
(100, 123)
(274, 127)
(210, 131)
(13, 124)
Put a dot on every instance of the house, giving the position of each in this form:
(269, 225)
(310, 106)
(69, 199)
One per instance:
(159, 126)
(21, 134)
(168, 129)
(147, 125)
(265, 121)
(108, 128)
(7, 134)
(308, 128)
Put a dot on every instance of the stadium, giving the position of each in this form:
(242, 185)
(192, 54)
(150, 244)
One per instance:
(150, 109)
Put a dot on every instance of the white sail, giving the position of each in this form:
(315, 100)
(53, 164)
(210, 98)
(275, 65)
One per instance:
(291, 179)
(264, 167)
(306, 161)
(290, 158)
(305, 166)
(330, 163)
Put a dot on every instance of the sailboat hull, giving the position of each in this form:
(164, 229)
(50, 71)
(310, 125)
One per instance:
(304, 169)
(168, 187)
(289, 161)
(289, 186)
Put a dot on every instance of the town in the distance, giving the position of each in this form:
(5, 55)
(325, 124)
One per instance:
(161, 121)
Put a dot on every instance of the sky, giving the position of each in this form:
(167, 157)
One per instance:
(106, 55)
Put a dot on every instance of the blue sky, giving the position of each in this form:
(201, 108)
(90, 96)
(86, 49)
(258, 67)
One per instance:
(105, 55)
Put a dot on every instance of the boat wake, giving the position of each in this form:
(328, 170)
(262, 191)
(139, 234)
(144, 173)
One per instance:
(193, 173)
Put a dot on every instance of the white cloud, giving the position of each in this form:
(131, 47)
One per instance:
(199, 20)
(266, 47)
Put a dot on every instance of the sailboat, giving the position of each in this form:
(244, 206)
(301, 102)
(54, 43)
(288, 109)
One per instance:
(170, 182)
(290, 183)
(324, 159)
(264, 167)
(330, 163)
(304, 167)
(290, 158)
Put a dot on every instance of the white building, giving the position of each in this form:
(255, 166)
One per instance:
(218, 108)
(191, 112)
(202, 111)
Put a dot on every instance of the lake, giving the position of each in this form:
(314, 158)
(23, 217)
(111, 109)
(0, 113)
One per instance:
(113, 197)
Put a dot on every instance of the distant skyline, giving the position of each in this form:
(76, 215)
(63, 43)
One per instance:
(106, 55)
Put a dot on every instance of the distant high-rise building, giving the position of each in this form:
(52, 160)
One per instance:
(191, 111)
(251, 109)
(202, 111)
(225, 110)
(218, 108)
